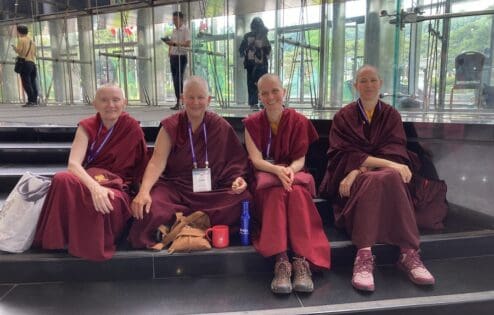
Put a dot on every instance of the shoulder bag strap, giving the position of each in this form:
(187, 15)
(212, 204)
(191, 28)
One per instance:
(29, 49)
(170, 237)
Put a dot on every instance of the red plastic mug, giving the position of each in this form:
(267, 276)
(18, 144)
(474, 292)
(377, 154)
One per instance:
(221, 236)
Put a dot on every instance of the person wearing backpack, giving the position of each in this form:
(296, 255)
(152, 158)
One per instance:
(255, 48)
(26, 51)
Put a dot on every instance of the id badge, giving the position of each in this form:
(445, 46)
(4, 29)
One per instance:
(201, 179)
(269, 160)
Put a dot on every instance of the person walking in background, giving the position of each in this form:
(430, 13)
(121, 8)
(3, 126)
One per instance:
(255, 48)
(26, 49)
(178, 55)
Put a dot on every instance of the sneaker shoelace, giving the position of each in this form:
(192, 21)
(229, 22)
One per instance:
(303, 270)
(364, 263)
(282, 268)
(412, 260)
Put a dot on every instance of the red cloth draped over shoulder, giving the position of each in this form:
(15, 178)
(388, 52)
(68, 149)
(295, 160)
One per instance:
(350, 146)
(68, 219)
(125, 153)
(287, 220)
(295, 134)
(173, 191)
(352, 140)
(227, 157)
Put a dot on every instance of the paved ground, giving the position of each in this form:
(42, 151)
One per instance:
(69, 115)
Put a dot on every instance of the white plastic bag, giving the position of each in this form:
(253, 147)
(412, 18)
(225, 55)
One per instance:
(20, 212)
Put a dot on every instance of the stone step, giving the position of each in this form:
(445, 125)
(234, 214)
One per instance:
(127, 264)
(52, 133)
(39, 153)
(463, 286)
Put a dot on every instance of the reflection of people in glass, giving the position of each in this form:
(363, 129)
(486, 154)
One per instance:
(255, 49)
(366, 179)
(178, 56)
(26, 49)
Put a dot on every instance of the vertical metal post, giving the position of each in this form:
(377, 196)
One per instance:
(155, 71)
(337, 54)
(444, 56)
(239, 72)
(413, 53)
(68, 65)
(42, 83)
(95, 83)
(123, 60)
(277, 26)
(355, 51)
(490, 64)
(227, 57)
(396, 52)
(323, 62)
(86, 48)
(302, 65)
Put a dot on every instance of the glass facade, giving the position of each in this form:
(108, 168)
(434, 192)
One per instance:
(434, 55)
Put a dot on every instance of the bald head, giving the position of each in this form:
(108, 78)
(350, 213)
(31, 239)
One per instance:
(271, 92)
(271, 78)
(367, 69)
(110, 102)
(194, 83)
(110, 87)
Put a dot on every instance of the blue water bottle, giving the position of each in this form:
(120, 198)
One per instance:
(244, 223)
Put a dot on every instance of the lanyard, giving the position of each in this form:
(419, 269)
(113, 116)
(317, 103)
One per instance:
(93, 154)
(193, 151)
(269, 143)
(362, 111)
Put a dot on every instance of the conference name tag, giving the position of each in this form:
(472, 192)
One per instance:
(201, 179)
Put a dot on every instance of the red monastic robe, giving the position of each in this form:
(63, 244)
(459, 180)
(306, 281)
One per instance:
(68, 219)
(173, 191)
(288, 219)
(380, 207)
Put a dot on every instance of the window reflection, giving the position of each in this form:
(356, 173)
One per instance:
(316, 51)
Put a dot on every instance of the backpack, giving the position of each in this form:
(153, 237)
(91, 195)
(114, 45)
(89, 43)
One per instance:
(429, 199)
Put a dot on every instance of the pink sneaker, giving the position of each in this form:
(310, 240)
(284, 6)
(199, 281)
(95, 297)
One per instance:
(410, 263)
(362, 278)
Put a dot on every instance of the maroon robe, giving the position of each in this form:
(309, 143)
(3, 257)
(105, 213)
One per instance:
(69, 219)
(287, 219)
(380, 208)
(173, 191)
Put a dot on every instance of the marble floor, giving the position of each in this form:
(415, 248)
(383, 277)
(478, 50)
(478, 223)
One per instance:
(69, 115)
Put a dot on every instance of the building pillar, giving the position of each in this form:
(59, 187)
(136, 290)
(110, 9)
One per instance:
(380, 41)
(8, 76)
(57, 44)
(242, 26)
(145, 50)
(337, 54)
(88, 85)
